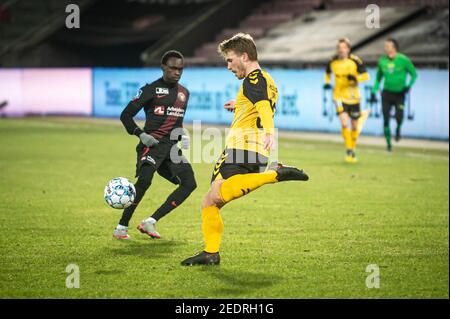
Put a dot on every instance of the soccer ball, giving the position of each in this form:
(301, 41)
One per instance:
(119, 193)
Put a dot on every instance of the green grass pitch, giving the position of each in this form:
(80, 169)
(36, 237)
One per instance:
(288, 240)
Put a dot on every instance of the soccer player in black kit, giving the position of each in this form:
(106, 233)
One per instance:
(164, 102)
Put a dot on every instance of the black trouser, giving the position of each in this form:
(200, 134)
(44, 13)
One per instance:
(173, 167)
(396, 100)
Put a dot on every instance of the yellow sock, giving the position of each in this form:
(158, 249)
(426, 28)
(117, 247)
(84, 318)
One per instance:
(347, 138)
(239, 185)
(354, 135)
(212, 227)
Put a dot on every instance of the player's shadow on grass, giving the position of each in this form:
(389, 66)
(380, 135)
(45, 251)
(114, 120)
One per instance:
(240, 282)
(147, 249)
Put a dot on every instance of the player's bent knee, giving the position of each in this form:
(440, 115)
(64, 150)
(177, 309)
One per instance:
(189, 184)
(145, 177)
(187, 181)
(216, 198)
(213, 197)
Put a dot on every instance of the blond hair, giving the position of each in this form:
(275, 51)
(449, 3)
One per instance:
(239, 43)
(346, 41)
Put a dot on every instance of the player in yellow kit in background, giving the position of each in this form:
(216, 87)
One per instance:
(243, 166)
(348, 71)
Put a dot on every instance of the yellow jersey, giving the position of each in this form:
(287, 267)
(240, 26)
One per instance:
(253, 115)
(346, 91)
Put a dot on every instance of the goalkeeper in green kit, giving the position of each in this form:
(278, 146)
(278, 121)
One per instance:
(394, 68)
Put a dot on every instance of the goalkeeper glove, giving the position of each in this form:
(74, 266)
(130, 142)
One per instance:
(373, 98)
(406, 90)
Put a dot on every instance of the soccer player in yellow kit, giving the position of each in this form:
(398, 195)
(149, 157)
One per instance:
(243, 166)
(348, 71)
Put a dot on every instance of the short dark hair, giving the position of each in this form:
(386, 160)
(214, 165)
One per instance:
(171, 54)
(394, 42)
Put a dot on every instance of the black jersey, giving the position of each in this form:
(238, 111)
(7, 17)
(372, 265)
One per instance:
(164, 105)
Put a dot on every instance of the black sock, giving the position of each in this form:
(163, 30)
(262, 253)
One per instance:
(128, 212)
(175, 199)
(164, 209)
(143, 183)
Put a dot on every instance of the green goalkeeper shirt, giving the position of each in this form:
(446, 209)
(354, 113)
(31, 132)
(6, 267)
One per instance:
(395, 73)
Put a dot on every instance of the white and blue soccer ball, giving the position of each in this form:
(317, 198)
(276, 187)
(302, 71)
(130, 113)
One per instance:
(119, 193)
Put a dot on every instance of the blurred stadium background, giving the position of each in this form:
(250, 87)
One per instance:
(96, 69)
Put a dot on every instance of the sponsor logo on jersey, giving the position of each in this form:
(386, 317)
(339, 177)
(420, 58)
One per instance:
(149, 159)
(253, 77)
(164, 91)
(159, 110)
(175, 111)
(181, 97)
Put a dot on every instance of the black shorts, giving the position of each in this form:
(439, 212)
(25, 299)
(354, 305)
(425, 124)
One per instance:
(392, 98)
(353, 110)
(167, 159)
(235, 161)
